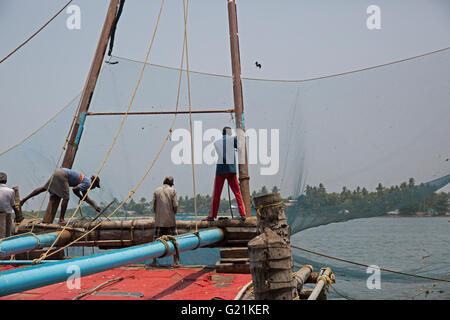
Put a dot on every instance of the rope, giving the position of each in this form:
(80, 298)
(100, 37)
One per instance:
(34, 34)
(244, 78)
(243, 177)
(258, 211)
(197, 233)
(60, 157)
(150, 167)
(341, 294)
(115, 137)
(102, 285)
(185, 10)
(365, 265)
(42, 126)
(164, 240)
(300, 80)
(326, 279)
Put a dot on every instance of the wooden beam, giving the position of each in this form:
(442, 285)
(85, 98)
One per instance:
(239, 105)
(89, 86)
(157, 112)
(320, 285)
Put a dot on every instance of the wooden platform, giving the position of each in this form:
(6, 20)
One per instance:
(234, 260)
(120, 234)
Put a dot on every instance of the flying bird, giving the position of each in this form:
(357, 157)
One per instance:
(258, 65)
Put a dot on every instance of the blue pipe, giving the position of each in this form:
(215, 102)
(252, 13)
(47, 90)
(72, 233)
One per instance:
(26, 243)
(18, 280)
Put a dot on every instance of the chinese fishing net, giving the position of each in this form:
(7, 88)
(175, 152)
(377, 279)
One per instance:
(338, 149)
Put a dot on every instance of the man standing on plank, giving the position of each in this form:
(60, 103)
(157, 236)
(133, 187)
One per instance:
(226, 170)
(165, 206)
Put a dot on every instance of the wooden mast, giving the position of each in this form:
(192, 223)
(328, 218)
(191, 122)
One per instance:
(89, 86)
(239, 105)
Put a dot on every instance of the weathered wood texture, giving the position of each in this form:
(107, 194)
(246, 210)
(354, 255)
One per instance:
(271, 215)
(118, 234)
(271, 267)
(233, 260)
(271, 263)
(6, 226)
(19, 215)
(302, 275)
(35, 254)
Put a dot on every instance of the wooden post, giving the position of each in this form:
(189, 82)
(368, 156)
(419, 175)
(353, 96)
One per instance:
(302, 275)
(271, 263)
(239, 106)
(271, 215)
(89, 86)
(5, 225)
(19, 214)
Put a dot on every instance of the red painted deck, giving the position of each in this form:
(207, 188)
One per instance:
(152, 284)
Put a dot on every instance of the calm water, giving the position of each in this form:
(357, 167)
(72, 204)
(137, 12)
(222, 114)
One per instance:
(412, 245)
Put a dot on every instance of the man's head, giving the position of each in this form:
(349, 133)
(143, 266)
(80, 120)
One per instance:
(168, 180)
(96, 182)
(226, 131)
(3, 177)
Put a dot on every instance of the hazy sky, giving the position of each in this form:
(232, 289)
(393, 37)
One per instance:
(292, 40)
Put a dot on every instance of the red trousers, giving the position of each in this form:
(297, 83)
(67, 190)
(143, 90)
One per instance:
(218, 186)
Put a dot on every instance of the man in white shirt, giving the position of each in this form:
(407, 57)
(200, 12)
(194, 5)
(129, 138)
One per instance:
(7, 207)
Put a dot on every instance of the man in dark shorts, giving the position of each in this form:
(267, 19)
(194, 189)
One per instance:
(165, 206)
(58, 186)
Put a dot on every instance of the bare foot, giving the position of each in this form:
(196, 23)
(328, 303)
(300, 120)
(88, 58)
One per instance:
(62, 222)
(177, 265)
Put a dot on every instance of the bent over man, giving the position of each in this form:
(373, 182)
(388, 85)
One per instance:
(58, 186)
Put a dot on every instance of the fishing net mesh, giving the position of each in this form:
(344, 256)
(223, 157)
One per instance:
(337, 149)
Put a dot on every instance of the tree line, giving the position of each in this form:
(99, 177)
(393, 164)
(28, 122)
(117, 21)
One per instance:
(314, 197)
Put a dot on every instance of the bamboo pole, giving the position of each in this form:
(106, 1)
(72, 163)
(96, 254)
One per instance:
(89, 86)
(320, 284)
(157, 112)
(239, 106)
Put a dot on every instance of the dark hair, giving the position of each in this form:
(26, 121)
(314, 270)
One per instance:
(168, 180)
(224, 130)
(95, 181)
